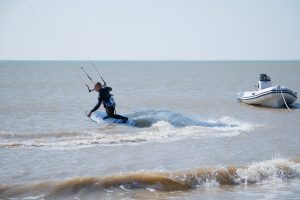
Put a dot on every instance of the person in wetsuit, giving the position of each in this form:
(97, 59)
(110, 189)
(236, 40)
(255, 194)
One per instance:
(109, 104)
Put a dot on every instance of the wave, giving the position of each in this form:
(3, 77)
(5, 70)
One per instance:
(11, 135)
(165, 126)
(147, 118)
(260, 172)
(295, 105)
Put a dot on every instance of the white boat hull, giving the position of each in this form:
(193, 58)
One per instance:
(275, 97)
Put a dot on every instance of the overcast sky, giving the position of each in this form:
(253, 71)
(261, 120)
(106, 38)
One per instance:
(150, 29)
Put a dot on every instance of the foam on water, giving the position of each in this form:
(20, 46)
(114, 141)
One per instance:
(147, 118)
(165, 126)
(269, 171)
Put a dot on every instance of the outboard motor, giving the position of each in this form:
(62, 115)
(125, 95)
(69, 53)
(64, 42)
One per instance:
(264, 81)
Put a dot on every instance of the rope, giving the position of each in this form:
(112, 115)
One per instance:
(51, 26)
(87, 75)
(52, 30)
(84, 83)
(77, 39)
(283, 98)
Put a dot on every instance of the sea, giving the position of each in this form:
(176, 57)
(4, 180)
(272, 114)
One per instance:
(195, 140)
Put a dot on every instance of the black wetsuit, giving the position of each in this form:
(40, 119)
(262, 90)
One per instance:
(106, 98)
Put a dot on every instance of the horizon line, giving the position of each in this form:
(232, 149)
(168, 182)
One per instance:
(150, 60)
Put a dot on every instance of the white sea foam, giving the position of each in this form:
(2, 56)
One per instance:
(264, 172)
(269, 171)
(167, 126)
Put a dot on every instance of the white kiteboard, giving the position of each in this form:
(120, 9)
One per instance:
(98, 116)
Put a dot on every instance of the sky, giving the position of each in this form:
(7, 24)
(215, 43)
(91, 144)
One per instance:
(150, 29)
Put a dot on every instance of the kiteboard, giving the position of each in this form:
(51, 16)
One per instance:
(99, 117)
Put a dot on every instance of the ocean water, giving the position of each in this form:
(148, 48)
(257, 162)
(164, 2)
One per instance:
(195, 140)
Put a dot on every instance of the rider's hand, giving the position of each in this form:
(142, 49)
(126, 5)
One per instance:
(89, 115)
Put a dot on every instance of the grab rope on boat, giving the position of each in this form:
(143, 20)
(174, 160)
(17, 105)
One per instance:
(283, 98)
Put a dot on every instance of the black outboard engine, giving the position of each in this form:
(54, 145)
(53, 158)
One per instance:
(264, 81)
(264, 77)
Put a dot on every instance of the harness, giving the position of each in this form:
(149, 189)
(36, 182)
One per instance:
(109, 102)
(107, 99)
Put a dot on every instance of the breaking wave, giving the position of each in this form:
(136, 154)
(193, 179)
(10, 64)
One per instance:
(260, 172)
(150, 117)
(158, 126)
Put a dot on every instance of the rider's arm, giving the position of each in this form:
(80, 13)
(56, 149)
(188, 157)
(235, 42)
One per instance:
(96, 107)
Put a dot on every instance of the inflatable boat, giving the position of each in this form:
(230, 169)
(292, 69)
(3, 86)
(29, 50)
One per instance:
(268, 95)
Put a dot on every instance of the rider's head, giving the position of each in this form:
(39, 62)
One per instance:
(98, 86)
